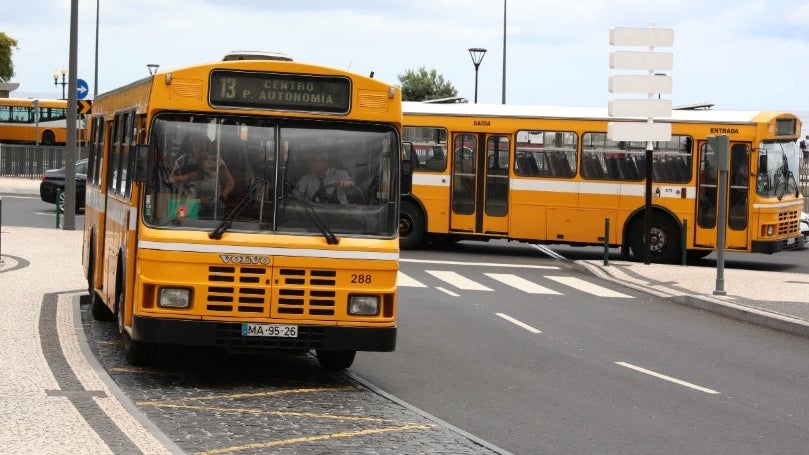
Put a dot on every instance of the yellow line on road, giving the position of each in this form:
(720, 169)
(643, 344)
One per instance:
(236, 396)
(262, 445)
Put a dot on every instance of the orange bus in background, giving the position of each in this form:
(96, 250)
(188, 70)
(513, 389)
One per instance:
(197, 231)
(550, 175)
(32, 121)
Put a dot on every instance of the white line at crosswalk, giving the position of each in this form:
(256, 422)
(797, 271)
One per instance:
(458, 280)
(521, 283)
(586, 286)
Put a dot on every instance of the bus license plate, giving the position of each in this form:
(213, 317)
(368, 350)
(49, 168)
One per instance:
(270, 330)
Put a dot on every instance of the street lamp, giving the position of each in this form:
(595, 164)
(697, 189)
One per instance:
(477, 54)
(56, 80)
(152, 67)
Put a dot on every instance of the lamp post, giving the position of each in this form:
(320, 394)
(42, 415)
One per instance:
(477, 54)
(152, 67)
(56, 82)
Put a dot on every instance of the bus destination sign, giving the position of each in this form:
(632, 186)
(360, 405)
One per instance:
(289, 92)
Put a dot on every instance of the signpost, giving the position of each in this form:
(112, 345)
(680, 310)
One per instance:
(652, 84)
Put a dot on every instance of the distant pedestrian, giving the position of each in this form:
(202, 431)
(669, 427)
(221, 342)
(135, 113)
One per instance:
(804, 145)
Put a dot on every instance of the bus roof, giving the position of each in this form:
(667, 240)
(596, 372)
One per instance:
(580, 113)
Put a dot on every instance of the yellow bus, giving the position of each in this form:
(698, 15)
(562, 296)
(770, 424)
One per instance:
(198, 230)
(551, 175)
(31, 121)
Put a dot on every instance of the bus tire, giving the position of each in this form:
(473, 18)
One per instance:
(665, 245)
(137, 353)
(335, 360)
(48, 138)
(412, 229)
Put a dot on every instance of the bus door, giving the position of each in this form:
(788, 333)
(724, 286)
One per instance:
(738, 186)
(480, 182)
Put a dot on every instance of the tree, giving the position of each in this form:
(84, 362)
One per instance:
(423, 85)
(6, 65)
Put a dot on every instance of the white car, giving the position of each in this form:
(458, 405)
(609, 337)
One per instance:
(805, 227)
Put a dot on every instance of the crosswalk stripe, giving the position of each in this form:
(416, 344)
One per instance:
(403, 280)
(521, 283)
(587, 287)
(457, 280)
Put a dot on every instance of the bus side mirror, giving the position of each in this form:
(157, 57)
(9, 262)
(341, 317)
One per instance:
(141, 163)
(407, 177)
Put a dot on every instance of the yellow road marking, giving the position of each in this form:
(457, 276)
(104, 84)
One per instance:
(261, 445)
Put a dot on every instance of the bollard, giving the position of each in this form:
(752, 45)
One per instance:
(58, 209)
(684, 252)
(607, 241)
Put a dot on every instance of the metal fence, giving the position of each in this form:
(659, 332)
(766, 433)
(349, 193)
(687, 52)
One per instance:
(29, 161)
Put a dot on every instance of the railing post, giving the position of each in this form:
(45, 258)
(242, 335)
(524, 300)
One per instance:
(58, 208)
(607, 241)
(684, 252)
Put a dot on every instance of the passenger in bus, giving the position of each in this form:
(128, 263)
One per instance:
(198, 174)
(323, 183)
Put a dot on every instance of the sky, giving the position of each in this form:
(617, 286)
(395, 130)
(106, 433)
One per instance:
(740, 54)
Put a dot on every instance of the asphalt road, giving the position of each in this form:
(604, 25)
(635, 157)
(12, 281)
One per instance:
(579, 373)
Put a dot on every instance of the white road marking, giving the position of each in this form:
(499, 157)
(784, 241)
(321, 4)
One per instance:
(447, 291)
(521, 283)
(457, 280)
(518, 323)
(586, 286)
(403, 280)
(666, 378)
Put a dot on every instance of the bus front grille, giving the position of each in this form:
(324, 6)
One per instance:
(247, 291)
(789, 223)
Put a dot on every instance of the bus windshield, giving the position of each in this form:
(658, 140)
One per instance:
(278, 175)
(777, 168)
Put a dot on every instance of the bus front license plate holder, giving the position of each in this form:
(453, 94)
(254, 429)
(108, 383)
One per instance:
(269, 330)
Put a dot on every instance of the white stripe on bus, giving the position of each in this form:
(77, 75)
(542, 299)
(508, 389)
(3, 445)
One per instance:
(266, 251)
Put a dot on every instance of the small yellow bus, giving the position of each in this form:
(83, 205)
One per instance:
(199, 230)
(547, 175)
(31, 121)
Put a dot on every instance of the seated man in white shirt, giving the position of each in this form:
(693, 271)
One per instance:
(323, 183)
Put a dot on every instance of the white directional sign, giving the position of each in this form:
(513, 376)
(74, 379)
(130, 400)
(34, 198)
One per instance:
(638, 131)
(651, 84)
(640, 83)
(639, 108)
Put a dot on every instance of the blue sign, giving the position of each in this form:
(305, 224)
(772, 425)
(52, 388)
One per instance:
(82, 89)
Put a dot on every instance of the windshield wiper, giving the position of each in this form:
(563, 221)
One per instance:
(331, 239)
(249, 197)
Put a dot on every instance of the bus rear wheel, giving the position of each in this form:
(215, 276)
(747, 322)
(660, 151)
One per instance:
(335, 360)
(137, 353)
(412, 231)
(664, 247)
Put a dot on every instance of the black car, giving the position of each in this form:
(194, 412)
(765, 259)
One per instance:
(54, 179)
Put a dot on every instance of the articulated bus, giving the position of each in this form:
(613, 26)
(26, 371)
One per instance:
(197, 231)
(19, 122)
(551, 175)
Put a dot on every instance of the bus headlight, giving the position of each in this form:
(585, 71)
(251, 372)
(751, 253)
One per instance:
(365, 305)
(174, 298)
(770, 230)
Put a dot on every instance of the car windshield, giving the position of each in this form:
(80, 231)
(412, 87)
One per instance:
(777, 168)
(246, 174)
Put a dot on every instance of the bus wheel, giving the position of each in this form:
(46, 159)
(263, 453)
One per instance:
(137, 353)
(665, 245)
(412, 232)
(335, 360)
(48, 138)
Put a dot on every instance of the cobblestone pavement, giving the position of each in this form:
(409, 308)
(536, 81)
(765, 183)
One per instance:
(213, 403)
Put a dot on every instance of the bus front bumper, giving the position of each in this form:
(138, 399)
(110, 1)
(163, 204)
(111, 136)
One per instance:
(228, 335)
